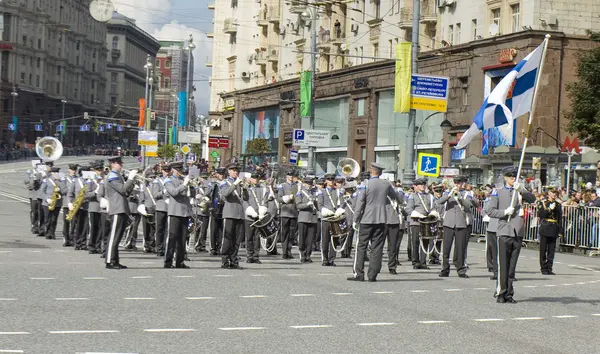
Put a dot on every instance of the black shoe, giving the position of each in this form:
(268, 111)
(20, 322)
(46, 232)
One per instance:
(93, 252)
(309, 260)
(551, 273)
(355, 279)
(235, 266)
(332, 264)
(443, 275)
(463, 276)
(393, 271)
(500, 300)
(290, 256)
(249, 260)
(201, 250)
(372, 280)
(50, 238)
(544, 273)
(168, 265)
(514, 279)
(511, 301)
(494, 277)
(285, 256)
(182, 266)
(67, 244)
(257, 261)
(115, 266)
(122, 266)
(302, 260)
(214, 253)
(103, 255)
(225, 266)
(186, 258)
(325, 264)
(160, 254)
(148, 250)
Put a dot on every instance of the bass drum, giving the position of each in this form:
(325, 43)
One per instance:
(266, 227)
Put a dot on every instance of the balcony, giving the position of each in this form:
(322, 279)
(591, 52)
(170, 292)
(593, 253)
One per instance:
(406, 17)
(261, 57)
(374, 29)
(428, 12)
(273, 54)
(274, 15)
(115, 53)
(211, 6)
(262, 17)
(323, 40)
(210, 35)
(208, 62)
(229, 26)
(297, 7)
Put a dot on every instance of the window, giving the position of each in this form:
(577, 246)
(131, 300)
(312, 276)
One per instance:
(113, 101)
(74, 92)
(113, 77)
(391, 48)
(37, 81)
(362, 52)
(515, 12)
(115, 42)
(451, 34)
(30, 80)
(94, 67)
(78, 45)
(458, 30)
(22, 78)
(24, 40)
(375, 51)
(167, 64)
(377, 5)
(77, 60)
(113, 89)
(23, 60)
(38, 62)
(39, 43)
(362, 10)
(93, 84)
(496, 13)
(58, 89)
(474, 29)
(360, 107)
(167, 82)
(464, 87)
(58, 70)
(157, 63)
(94, 54)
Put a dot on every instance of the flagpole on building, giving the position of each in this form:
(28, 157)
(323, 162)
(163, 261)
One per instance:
(531, 114)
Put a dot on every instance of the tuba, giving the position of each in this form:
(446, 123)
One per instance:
(48, 148)
(348, 167)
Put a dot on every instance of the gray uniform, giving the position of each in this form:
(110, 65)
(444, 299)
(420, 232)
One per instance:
(180, 210)
(104, 218)
(454, 218)
(50, 217)
(422, 203)
(395, 223)
(257, 198)
(233, 215)
(117, 192)
(491, 243)
(81, 221)
(288, 217)
(330, 199)
(94, 217)
(161, 215)
(307, 221)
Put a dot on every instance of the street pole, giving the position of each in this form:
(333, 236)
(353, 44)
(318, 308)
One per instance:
(148, 66)
(408, 174)
(570, 155)
(188, 117)
(313, 67)
(62, 132)
(14, 95)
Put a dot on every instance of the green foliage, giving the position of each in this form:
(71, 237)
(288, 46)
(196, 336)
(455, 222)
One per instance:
(258, 147)
(166, 152)
(584, 117)
(196, 149)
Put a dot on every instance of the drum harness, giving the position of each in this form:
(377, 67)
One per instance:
(428, 251)
(337, 205)
(263, 240)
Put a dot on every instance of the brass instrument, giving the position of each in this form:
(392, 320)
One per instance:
(140, 178)
(348, 167)
(48, 148)
(54, 199)
(76, 204)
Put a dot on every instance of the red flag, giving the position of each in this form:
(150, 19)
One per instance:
(142, 121)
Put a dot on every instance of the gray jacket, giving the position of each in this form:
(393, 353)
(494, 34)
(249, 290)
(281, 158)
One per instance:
(179, 203)
(33, 182)
(202, 192)
(306, 204)
(92, 197)
(330, 198)
(373, 205)
(500, 200)
(102, 193)
(493, 223)
(159, 194)
(455, 210)
(117, 191)
(134, 198)
(287, 206)
(256, 198)
(394, 209)
(47, 190)
(78, 184)
(148, 200)
(422, 203)
(234, 197)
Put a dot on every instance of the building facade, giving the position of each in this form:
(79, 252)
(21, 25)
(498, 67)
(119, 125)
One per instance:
(53, 55)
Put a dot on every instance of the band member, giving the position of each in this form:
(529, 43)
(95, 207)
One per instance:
(350, 196)
(332, 206)
(117, 191)
(510, 232)
(81, 224)
(438, 191)
(550, 213)
(50, 186)
(162, 199)
(273, 207)
(307, 205)
(105, 221)
(317, 243)
(420, 205)
(370, 218)
(94, 209)
(394, 222)
(69, 225)
(134, 217)
(256, 209)
(202, 213)
(148, 213)
(33, 181)
(180, 211)
(40, 198)
(491, 242)
(216, 212)
(233, 215)
(456, 206)
(288, 215)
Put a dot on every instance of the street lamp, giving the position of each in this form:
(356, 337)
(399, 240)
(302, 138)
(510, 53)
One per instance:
(148, 68)
(14, 95)
(446, 125)
(190, 47)
(62, 132)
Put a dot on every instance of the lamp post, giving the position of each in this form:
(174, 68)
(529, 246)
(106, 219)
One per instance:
(190, 48)
(446, 152)
(62, 132)
(148, 68)
(14, 95)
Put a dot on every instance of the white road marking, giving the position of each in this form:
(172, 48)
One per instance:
(595, 314)
(184, 276)
(294, 275)
(311, 326)
(142, 277)
(11, 351)
(170, 330)
(550, 285)
(241, 328)
(527, 318)
(223, 275)
(201, 298)
(481, 288)
(530, 286)
(71, 298)
(7, 299)
(580, 283)
(488, 319)
(452, 290)
(324, 274)
(419, 291)
(567, 284)
(94, 278)
(105, 353)
(146, 262)
(433, 322)
(85, 331)
(39, 263)
(139, 298)
(565, 316)
(77, 263)
(33, 251)
(342, 294)
(5, 251)
(42, 278)
(302, 295)
(258, 275)
(368, 324)
(383, 292)
(253, 296)
(9, 333)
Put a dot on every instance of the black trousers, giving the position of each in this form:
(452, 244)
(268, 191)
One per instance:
(230, 244)
(327, 247)
(149, 230)
(252, 241)
(161, 219)
(306, 235)
(73, 229)
(41, 217)
(417, 254)
(347, 251)
(95, 240)
(547, 250)
(394, 238)
(117, 228)
(491, 252)
(373, 233)
(508, 254)
(134, 223)
(178, 230)
(81, 228)
(287, 229)
(66, 231)
(317, 242)
(459, 238)
(105, 224)
(216, 234)
(201, 233)
(51, 218)
(34, 215)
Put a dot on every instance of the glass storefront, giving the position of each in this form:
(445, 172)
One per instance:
(331, 115)
(264, 124)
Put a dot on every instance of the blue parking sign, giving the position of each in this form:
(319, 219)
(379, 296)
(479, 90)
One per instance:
(119, 128)
(11, 127)
(298, 134)
(59, 128)
(101, 128)
(108, 126)
(429, 165)
(39, 127)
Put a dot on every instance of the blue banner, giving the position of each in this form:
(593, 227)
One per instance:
(182, 109)
(15, 123)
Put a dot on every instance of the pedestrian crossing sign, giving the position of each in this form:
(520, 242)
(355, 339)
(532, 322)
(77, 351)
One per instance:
(429, 165)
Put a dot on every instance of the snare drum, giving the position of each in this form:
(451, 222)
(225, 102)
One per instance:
(429, 228)
(267, 226)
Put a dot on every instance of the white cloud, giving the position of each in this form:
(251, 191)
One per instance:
(148, 14)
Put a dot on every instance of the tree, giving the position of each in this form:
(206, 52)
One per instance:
(196, 149)
(166, 152)
(584, 117)
(258, 147)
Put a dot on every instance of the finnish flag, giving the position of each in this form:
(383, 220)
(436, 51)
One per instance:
(511, 98)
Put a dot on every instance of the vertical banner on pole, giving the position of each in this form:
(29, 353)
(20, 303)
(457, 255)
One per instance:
(402, 78)
(170, 136)
(182, 109)
(142, 105)
(64, 127)
(305, 94)
(15, 120)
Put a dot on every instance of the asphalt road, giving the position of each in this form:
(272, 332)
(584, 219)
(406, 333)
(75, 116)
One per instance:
(57, 300)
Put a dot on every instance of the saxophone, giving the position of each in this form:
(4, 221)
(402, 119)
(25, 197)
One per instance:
(54, 199)
(76, 204)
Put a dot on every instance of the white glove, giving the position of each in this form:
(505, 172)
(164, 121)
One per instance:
(355, 226)
(192, 201)
(43, 174)
(509, 211)
(251, 212)
(131, 175)
(416, 214)
(198, 196)
(206, 199)
(97, 189)
(518, 186)
(48, 200)
(70, 205)
(186, 180)
(552, 206)
(167, 201)
(104, 203)
(486, 219)
(287, 198)
(434, 213)
(326, 212)
(237, 181)
(142, 209)
(262, 211)
(340, 211)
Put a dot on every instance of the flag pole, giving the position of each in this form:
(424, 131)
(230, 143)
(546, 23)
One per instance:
(531, 114)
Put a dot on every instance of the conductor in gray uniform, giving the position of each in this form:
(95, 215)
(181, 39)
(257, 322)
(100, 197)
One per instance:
(456, 207)
(180, 210)
(420, 205)
(306, 202)
(234, 215)
(510, 232)
(370, 216)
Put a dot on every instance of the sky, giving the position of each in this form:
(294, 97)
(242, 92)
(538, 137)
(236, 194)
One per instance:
(176, 20)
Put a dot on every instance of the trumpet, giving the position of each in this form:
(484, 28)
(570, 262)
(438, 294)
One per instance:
(138, 177)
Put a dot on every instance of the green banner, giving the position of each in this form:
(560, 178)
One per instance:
(305, 94)
(170, 136)
(64, 127)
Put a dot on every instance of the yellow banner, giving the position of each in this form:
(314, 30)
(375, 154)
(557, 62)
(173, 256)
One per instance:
(402, 77)
(428, 104)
